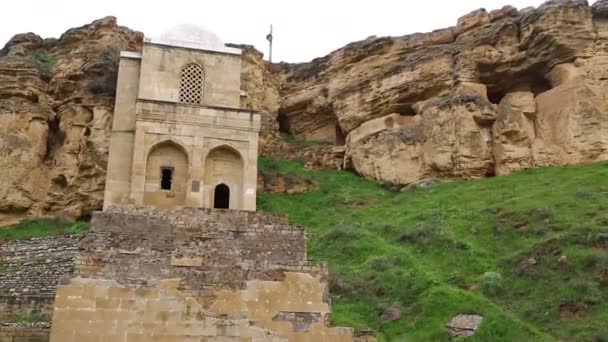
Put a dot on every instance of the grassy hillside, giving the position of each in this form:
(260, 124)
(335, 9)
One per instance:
(529, 252)
(41, 227)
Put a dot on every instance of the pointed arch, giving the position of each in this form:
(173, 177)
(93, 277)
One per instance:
(168, 141)
(224, 165)
(166, 175)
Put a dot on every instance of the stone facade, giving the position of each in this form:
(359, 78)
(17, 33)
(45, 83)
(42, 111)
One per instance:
(194, 274)
(179, 137)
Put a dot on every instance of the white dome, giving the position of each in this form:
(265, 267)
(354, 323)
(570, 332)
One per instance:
(191, 33)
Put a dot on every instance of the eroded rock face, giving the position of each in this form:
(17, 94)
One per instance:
(501, 91)
(56, 104)
(564, 125)
(448, 139)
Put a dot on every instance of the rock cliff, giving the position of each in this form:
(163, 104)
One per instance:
(499, 92)
(56, 104)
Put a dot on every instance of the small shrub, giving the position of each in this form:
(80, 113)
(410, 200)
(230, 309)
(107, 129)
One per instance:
(109, 59)
(491, 284)
(418, 234)
(542, 213)
(269, 164)
(390, 186)
(456, 279)
(44, 63)
(584, 195)
(382, 264)
(586, 291)
(591, 261)
(339, 284)
(342, 232)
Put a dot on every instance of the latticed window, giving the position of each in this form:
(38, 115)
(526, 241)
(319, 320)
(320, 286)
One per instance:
(191, 84)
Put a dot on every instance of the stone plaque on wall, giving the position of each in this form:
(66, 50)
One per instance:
(196, 185)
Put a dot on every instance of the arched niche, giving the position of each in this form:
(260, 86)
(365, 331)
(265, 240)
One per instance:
(166, 176)
(224, 166)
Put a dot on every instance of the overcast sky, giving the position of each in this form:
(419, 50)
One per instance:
(303, 30)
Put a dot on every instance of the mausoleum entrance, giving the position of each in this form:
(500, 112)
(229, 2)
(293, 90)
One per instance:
(224, 178)
(221, 197)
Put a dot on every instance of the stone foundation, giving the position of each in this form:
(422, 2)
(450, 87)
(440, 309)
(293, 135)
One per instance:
(194, 274)
(24, 332)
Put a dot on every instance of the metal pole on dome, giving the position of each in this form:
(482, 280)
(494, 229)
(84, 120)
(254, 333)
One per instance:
(269, 38)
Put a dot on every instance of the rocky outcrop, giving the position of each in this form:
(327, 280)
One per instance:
(56, 104)
(501, 91)
(262, 92)
(279, 182)
(449, 139)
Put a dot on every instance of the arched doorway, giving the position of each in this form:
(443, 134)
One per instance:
(221, 197)
(223, 168)
(166, 176)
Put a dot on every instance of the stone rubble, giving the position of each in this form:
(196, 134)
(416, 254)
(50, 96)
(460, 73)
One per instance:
(464, 325)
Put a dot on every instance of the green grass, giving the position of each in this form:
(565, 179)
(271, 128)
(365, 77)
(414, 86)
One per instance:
(489, 247)
(42, 227)
(23, 319)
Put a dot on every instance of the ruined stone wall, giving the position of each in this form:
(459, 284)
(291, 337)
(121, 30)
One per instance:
(24, 332)
(189, 274)
(227, 248)
(31, 270)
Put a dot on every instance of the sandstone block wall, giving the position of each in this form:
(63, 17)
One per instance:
(103, 310)
(192, 274)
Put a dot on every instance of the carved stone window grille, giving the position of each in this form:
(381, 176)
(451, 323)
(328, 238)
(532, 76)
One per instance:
(191, 84)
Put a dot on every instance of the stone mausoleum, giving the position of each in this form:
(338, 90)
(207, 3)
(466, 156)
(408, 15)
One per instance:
(179, 137)
(165, 260)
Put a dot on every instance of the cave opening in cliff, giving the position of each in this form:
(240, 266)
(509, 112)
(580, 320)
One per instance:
(531, 80)
(540, 86)
(405, 109)
(534, 83)
(340, 136)
(496, 95)
(283, 123)
(54, 139)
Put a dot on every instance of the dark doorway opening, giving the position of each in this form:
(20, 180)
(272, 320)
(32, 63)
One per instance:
(166, 178)
(340, 136)
(221, 197)
(283, 120)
